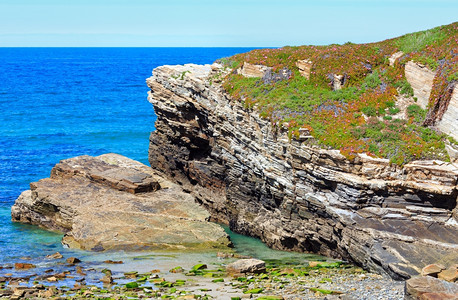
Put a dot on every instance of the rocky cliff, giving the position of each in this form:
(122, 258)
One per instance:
(250, 175)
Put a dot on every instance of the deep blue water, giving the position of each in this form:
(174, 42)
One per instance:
(57, 103)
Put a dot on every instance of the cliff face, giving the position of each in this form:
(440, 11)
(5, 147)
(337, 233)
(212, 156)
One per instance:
(249, 175)
(421, 79)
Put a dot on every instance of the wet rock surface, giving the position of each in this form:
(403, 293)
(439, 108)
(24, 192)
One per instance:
(294, 196)
(210, 280)
(112, 202)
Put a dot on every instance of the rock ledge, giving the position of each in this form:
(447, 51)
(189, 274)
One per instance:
(112, 202)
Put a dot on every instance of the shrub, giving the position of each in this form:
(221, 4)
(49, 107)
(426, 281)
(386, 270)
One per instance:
(416, 112)
(404, 87)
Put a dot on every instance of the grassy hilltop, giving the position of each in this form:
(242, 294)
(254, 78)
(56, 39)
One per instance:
(359, 117)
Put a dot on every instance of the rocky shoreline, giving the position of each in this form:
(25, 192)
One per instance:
(214, 160)
(224, 277)
(248, 173)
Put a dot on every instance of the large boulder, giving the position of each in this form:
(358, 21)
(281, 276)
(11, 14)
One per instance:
(427, 287)
(113, 202)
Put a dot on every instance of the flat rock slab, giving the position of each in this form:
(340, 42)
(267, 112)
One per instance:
(426, 287)
(112, 202)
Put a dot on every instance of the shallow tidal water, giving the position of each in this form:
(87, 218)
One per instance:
(57, 103)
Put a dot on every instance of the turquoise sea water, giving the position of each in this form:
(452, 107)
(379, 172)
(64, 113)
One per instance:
(57, 103)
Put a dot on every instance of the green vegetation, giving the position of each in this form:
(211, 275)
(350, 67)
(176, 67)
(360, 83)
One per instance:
(416, 42)
(358, 117)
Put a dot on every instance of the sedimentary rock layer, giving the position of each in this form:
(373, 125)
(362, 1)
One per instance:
(112, 202)
(248, 174)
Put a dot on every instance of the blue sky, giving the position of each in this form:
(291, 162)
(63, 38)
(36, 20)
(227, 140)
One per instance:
(214, 23)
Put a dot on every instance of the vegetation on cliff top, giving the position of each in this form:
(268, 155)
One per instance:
(359, 117)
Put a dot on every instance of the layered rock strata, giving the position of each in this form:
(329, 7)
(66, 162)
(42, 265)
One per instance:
(112, 202)
(449, 121)
(248, 174)
(421, 79)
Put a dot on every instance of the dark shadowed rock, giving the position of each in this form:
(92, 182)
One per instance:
(73, 260)
(112, 202)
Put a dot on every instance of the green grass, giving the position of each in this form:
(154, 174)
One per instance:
(416, 42)
(356, 118)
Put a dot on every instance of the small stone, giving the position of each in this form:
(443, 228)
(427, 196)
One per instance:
(247, 266)
(450, 275)
(46, 294)
(107, 279)
(131, 275)
(177, 270)
(56, 255)
(51, 279)
(39, 287)
(26, 258)
(432, 270)
(19, 291)
(73, 260)
(113, 261)
(313, 264)
(23, 266)
(79, 270)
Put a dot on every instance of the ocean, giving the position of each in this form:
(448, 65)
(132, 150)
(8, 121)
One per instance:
(57, 103)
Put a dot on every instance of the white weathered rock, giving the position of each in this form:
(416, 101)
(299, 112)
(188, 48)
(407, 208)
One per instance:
(337, 82)
(305, 67)
(395, 57)
(449, 122)
(452, 152)
(250, 70)
(421, 79)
